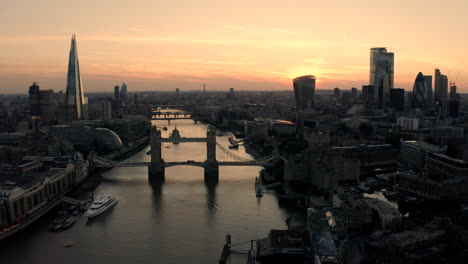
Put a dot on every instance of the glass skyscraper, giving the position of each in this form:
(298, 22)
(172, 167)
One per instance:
(304, 91)
(381, 75)
(420, 92)
(74, 97)
(123, 92)
(430, 96)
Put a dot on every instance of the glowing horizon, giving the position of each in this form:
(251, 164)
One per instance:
(153, 45)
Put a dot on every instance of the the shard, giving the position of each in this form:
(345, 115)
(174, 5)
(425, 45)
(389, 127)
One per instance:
(74, 100)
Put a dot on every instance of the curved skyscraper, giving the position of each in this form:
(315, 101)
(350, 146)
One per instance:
(304, 91)
(74, 97)
(420, 92)
(123, 92)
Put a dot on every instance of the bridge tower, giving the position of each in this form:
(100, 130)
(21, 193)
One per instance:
(211, 164)
(156, 168)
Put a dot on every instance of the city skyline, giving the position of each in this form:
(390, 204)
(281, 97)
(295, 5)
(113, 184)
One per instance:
(212, 45)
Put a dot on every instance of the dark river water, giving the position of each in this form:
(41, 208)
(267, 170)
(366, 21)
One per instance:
(180, 220)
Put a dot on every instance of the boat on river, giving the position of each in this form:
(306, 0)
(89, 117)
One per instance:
(100, 205)
(61, 223)
(258, 187)
(175, 136)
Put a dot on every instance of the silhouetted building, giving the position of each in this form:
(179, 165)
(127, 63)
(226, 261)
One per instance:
(430, 95)
(381, 75)
(413, 153)
(304, 91)
(368, 94)
(440, 87)
(42, 103)
(369, 158)
(74, 98)
(440, 166)
(420, 92)
(100, 110)
(397, 99)
(408, 100)
(354, 93)
(116, 93)
(453, 90)
(408, 123)
(336, 93)
(123, 93)
(454, 108)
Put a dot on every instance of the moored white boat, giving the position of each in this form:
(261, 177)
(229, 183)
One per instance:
(100, 205)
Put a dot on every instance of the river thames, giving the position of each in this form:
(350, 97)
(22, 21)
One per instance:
(179, 220)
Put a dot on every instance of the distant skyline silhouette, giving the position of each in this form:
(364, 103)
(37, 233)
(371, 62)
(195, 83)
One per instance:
(248, 45)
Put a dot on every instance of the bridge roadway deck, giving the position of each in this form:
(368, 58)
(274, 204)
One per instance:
(189, 163)
(170, 118)
(183, 140)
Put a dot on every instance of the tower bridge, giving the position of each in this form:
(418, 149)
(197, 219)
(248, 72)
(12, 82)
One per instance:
(157, 165)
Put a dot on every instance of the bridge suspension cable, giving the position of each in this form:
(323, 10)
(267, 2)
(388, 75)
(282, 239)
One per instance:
(239, 158)
(232, 155)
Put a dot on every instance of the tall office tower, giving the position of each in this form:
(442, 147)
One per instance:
(116, 93)
(304, 91)
(381, 75)
(443, 84)
(420, 92)
(453, 90)
(408, 100)
(354, 93)
(453, 108)
(337, 93)
(42, 103)
(34, 100)
(123, 92)
(397, 99)
(440, 87)
(74, 97)
(436, 85)
(430, 96)
(443, 88)
(368, 94)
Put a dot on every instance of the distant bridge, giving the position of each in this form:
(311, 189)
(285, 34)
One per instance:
(168, 116)
(156, 167)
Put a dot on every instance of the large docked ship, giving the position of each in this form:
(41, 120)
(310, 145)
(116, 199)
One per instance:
(100, 205)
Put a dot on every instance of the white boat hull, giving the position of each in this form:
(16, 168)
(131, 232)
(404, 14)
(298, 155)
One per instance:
(93, 213)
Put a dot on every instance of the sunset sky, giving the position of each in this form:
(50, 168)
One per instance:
(248, 45)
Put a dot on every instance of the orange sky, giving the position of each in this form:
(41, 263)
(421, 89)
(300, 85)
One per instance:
(255, 44)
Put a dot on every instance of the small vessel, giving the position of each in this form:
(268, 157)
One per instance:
(68, 244)
(168, 147)
(67, 223)
(219, 133)
(148, 152)
(164, 128)
(175, 136)
(258, 187)
(234, 146)
(391, 195)
(100, 205)
(57, 223)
